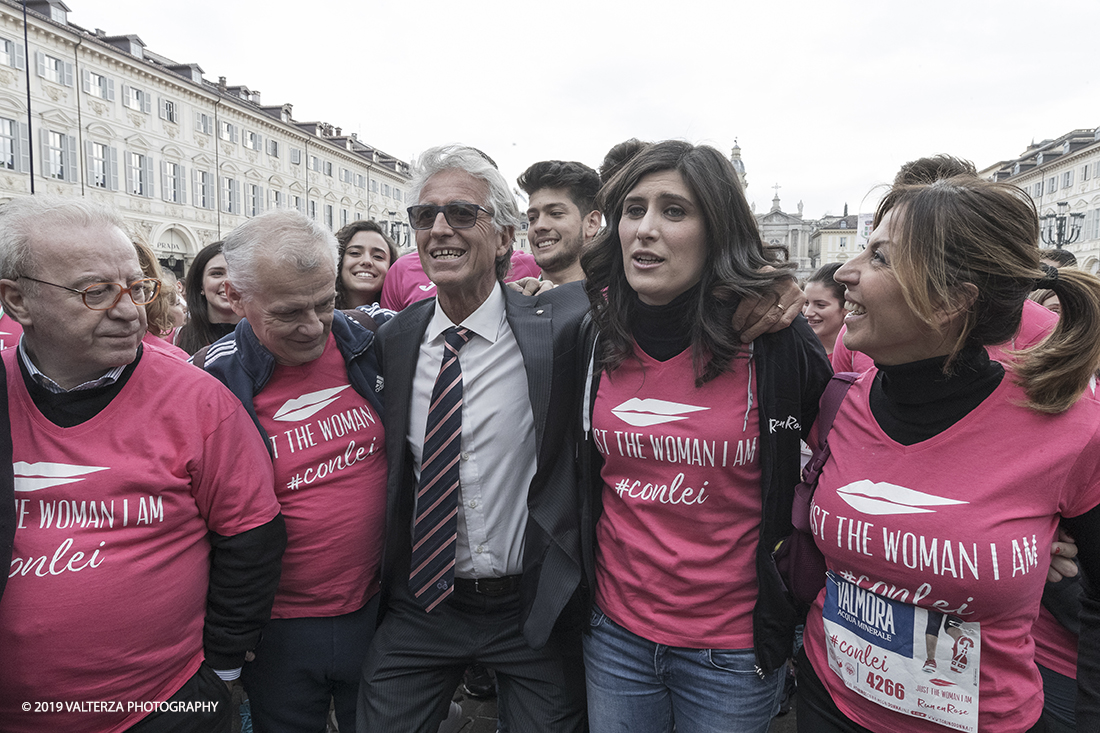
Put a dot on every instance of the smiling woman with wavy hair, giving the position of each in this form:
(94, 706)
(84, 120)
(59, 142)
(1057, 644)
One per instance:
(941, 446)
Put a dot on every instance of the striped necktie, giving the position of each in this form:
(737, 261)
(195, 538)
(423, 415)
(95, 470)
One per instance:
(435, 530)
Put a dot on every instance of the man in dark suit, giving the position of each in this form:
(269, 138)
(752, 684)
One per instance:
(494, 573)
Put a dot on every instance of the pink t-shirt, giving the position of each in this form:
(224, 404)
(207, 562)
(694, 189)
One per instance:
(106, 595)
(676, 544)
(960, 523)
(406, 282)
(159, 344)
(10, 331)
(1036, 322)
(330, 478)
(1055, 645)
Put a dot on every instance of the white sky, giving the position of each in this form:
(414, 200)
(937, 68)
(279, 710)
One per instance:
(826, 98)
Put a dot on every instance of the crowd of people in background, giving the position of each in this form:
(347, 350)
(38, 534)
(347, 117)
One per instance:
(355, 481)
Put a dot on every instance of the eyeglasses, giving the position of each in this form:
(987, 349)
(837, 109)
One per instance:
(105, 296)
(458, 215)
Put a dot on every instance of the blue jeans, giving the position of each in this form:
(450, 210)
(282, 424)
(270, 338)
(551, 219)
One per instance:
(1059, 700)
(638, 686)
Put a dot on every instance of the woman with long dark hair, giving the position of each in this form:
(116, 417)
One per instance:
(211, 315)
(692, 453)
(366, 253)
(949, 474)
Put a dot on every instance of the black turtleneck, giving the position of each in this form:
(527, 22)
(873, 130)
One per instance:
(916, 401)
(222, 329)
(663, 331)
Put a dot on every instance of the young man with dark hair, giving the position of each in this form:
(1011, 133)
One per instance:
(561, 215)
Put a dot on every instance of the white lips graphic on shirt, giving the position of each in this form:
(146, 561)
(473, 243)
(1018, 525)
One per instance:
(880, 497)
(36, 476)
(308, 405)
(643, 413)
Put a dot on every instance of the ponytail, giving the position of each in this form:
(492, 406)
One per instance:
(1055, 372)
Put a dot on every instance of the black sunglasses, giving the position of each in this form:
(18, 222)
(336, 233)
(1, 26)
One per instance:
(458, 215)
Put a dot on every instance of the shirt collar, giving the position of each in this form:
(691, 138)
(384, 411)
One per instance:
(51, 386)
(485, 321)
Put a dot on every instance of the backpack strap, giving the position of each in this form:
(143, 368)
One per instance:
(199, 359)
(830, 405)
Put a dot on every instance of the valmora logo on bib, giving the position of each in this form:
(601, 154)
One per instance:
(43, 475)
(880, 497)
(643, 413)
(308, 405)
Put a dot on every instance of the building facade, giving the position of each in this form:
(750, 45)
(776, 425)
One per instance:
(834, 239)
(778, 227)
(184, 159)
(1062, 176)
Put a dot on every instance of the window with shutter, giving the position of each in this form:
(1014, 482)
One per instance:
(11, 53)
(98, 164)
(9, 145)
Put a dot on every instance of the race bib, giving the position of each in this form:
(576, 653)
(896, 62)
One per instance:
(909, 659)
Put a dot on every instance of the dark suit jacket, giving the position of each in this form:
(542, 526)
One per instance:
(546, 330)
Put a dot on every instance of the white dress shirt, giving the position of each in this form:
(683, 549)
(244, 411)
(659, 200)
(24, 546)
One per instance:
(498, 437)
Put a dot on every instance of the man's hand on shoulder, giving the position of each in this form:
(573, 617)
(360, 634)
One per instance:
(530, 286)
(771, 312)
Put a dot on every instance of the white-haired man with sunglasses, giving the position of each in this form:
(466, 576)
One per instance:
(482, 560)
(148, 536)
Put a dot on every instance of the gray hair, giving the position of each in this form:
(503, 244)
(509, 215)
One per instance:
(280, 236)
(480, 166)
(22, 218)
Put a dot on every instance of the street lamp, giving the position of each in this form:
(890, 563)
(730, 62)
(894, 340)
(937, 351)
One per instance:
(1052, 227)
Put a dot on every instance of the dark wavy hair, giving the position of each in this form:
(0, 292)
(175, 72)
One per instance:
(618, 156)
(736, 258)
(824, 276)
(579, 180)
(344, 236)
(198, 331)
(933, 168)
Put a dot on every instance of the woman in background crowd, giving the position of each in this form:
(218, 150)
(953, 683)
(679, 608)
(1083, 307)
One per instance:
(1046, 298)
(211, 315)
(688, 483)
(824, 309)
(366, 253)
(177, 307)
(939, 445)
(158, 314)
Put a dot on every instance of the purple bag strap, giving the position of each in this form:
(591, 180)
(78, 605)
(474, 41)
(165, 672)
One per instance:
(829, 406)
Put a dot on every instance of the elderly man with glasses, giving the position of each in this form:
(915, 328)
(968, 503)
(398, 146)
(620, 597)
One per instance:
(148, 536)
